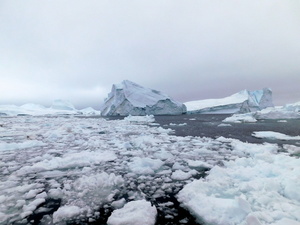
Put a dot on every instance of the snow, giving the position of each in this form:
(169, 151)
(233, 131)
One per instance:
(65, 169)
(243, 101)
(274, 135)
(129, 98)
(134, 213)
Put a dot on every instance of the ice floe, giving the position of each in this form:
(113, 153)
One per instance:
(260, 189)
(134, 213)
(274, 135)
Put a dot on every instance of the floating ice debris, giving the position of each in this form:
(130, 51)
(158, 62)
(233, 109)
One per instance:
(134, 213)
(240, 118)
(140, 119)
(274, 135)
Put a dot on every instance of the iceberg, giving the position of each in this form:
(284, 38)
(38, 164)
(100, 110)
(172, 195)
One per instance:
(129, 98)
(241, 102)
(289, 111)
(59, 107)
(62, 105)
(89, 111)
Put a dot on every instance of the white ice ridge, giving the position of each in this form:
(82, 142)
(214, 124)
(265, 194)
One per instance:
(58, 107)
(65, 169)
(241, 102)
(129, 98)
(281, 113)
(261, 189)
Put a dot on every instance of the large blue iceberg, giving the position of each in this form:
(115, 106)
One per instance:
(129, 98)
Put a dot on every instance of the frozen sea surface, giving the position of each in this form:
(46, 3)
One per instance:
(70, 170)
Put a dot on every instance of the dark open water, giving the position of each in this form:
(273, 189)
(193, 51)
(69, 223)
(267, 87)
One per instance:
(206, 125)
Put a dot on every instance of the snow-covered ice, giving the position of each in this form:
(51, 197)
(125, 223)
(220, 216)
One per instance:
(67, 169)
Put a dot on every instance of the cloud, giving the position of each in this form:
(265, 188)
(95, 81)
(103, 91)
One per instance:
(190, 50)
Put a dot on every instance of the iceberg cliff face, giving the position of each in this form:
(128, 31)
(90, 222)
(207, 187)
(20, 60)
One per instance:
(129, 98)
(242, 102)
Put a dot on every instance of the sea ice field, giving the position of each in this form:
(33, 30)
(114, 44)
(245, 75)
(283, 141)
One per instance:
(82, 170)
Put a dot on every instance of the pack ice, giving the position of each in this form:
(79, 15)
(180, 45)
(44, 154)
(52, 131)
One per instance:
(129, 98)
(71, 170)
(241, 102)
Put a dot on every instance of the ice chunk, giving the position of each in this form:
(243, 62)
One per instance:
(118, 204)
(145, 165)
(180, 175)
(65, 213)
(129, 98)
(134, 213)
(239, 118)
(198, 163)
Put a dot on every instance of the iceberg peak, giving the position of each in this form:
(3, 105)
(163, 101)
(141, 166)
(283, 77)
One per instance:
(129, 98)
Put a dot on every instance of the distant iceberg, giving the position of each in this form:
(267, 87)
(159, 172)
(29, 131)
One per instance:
(241, 102)
(59, 107)
(129, 98)
(62, 105)
(289, 111)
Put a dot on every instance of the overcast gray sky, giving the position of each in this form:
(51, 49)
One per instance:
(191, 50)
